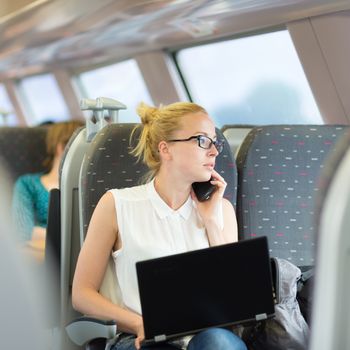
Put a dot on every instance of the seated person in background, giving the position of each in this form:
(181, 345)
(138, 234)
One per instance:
(31, 191)
(163, 217)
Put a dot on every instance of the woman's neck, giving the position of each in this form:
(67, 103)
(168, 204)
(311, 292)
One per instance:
(50, 180)
(173, 192)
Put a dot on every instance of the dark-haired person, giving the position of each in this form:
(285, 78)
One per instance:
(162, 217)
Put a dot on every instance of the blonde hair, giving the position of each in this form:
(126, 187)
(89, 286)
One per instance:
(158, 124)
(58, 133)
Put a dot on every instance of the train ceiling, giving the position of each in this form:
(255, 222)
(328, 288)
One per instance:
(39, 35)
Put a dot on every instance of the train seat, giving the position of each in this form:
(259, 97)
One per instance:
(54, 213)
(330, 315)
(67, 245)
(278, 172)
(235, 135)
(108, 164)
(68, 202)
(59, 223)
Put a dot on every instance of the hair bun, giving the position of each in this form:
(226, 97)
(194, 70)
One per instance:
(146, 113)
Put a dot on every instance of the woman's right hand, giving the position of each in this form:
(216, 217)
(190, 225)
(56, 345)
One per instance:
(140, 335)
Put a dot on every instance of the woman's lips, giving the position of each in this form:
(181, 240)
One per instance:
(209, 165)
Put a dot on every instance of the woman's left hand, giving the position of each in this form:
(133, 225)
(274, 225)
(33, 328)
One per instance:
(209, 209)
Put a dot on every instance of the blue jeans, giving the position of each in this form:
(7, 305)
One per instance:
(210, 339)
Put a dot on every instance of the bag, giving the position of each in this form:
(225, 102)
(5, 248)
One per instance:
(305, 293)
(288, 330)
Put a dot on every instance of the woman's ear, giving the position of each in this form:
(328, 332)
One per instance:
(163, 149)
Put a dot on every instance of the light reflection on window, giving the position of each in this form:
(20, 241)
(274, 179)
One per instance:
(43, 99)
(252, 80)
(7, 115)
(123, 82)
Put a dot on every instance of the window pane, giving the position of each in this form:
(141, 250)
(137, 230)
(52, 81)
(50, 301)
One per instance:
(252, 80)
(44, 99)
(7, 115)
(123, 82)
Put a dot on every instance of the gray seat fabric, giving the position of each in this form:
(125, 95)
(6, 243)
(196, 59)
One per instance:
(330, 309)
(278, 171)
(226, 166)
(70, 224)
(22, 150)
(328, 172)
(108, 164)
(67, 148)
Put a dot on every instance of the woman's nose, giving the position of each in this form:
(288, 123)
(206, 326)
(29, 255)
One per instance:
(213, 151)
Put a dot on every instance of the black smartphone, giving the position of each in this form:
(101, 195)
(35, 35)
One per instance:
(203, 190)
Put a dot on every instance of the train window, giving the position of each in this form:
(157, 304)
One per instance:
(43, 99)
(252, 80)
(7, 116)
(122, 81)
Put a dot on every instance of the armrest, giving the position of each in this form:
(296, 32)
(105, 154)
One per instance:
(85, 329)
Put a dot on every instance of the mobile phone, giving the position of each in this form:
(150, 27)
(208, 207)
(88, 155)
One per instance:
(203, 190)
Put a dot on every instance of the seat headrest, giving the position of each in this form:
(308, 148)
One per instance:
(22, 150)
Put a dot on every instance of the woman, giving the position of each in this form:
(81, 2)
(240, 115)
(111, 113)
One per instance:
(162, 217)
(31, 191)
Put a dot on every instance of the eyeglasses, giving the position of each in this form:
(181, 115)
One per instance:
(204, 142)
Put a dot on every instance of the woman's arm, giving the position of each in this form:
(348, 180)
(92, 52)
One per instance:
(23, 209)
(230, 230)
(23, 214)
(91, 267)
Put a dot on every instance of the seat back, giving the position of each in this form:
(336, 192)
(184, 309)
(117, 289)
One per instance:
(278, 171)
(330, 315)
(53, 230)
(69, 183)
(22, 150)
(108, 164)
(69, 202)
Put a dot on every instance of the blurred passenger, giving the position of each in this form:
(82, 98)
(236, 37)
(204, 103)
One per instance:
(31, 191)
(27, 296)
(179, 144)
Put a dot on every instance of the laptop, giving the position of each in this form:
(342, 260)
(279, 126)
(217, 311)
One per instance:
(219, 286)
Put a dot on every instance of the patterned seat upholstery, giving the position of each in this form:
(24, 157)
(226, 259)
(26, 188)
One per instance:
(22, 150)
(330, 315)
(278, 171)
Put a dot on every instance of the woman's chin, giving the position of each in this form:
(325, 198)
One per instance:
(204, 178)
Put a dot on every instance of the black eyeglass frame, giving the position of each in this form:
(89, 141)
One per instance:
(219, 143)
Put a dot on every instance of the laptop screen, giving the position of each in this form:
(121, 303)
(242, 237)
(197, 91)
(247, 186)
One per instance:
(217, 286)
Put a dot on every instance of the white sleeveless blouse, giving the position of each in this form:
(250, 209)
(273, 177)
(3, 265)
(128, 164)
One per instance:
(149, 228)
